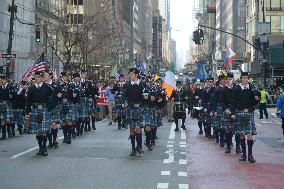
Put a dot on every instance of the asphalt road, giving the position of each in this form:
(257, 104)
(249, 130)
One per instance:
(98, 159)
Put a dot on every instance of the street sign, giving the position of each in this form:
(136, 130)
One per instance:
(8, 55)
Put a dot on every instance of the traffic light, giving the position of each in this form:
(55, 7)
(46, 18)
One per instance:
(37, 35)
(196, 37)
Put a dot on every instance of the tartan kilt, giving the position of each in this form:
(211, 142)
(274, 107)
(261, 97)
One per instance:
(249, 127)
(149, 116)
(55, 113)
(10, 114)
(118, 110)
(216, 120)
(129, 113)
(72, 113)
(158, 118)
(3, 115)
(46, 119)
(84, 108)
(18, 116)
(206, 118)
(226, 122)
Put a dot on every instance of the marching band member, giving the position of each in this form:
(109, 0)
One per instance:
(118, 89)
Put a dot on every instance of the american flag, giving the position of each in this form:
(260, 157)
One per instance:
(118, 73)
(38, 66)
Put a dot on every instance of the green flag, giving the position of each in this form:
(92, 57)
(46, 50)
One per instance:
(113, 71)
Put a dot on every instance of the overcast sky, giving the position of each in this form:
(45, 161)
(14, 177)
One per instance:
(181, 22)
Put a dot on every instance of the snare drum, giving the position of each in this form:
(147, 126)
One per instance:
(179, 107)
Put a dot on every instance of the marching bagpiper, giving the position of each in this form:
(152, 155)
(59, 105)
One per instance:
(118, 89)
(242, 109)
(179, 97)
(134, 118)
(6, 92)
(37, 108)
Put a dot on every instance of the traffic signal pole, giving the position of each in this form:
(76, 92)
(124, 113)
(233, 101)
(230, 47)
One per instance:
(13, 10)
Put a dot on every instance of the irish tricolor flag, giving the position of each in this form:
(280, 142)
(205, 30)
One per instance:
(170, 80)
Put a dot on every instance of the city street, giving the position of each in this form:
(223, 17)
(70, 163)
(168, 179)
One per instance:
(100, 159)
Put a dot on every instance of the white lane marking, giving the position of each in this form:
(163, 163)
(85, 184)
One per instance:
(172, 132)
(182, 143)
(182, 135)
(29, 150)
(171, 157)
(182, 162)
(266, 122)
(171, 142)
(182, 174)
(257, 124)
(278, 123)
(163, 186)
(165, 173)
(182, 146)
(170, 146)
(183, 153)
(183, 186)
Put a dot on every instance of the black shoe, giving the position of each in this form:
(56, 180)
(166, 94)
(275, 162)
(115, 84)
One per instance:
(44, 153)
(64, 141)
(251, 159)
(176, 129)
(238, 150)
(200, 132)
(183, 127)
(39, 153)
(94, 128)
(243, 158)
(228, 150)
(50, 146)
(217, 141)
(133, 153)
(222, 145)
(85, 129)
(3, 138)
(211, 137)
(68, 141)
(119, 128)
(73, 136)
(149, 146)
(139, 150)
(55, 145)
(110, 123)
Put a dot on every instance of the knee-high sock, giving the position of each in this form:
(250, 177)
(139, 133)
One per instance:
(39, 141)
(44, 140)
(200, 125)
(176, 122)
(139, 139)
(237, 140)
(183, 122)
(64, 128)
(148, 136)
(243, 145)
(222, 135)
(250, 144)
(54, 134)
(132, 138)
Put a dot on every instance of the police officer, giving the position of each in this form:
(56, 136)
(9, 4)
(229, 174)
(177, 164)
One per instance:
(134, 98)
(118, 89)
(179, 97)
(36, 107)
(242, 109)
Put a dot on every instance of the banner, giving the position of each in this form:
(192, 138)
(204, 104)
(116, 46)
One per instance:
(101, 100)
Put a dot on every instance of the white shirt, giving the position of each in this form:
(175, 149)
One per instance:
(39, 85)
(244, 86)
(135, 82)
(5, 86)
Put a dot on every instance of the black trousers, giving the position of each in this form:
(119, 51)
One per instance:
(262, 109)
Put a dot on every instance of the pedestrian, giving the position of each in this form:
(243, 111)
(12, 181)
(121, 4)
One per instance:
(110, 99)
(242, 110)
(118, 90)
(179, 97)
(36, 108)
(263, 103)
(280, 105)
(134, 118)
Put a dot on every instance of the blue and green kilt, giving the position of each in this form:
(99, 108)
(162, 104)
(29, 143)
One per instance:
(245, 123)
(149, 116)
(55, 114)
(44, 124)
(9, 113)
(18, 116)
(84, 108)
(134, 116)
(118, 109)
(226, 122)
(216, 120)
(92, 108)
(158, 118)
(72, 113)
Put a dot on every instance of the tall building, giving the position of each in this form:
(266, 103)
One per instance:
(23, 37)
(165, 11)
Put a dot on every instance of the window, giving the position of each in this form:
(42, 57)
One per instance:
(80, 2)
(275, 23)
(275, 3)
(80, 18)
(282, 24)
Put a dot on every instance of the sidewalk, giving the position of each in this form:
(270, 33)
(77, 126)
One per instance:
(209, 167)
